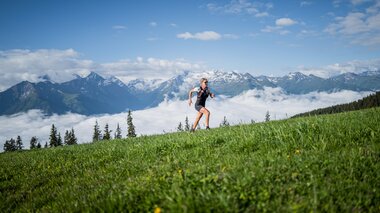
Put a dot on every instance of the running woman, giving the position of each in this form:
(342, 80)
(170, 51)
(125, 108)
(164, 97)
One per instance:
(200, 105)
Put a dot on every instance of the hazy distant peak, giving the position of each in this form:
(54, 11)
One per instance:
(94, 76)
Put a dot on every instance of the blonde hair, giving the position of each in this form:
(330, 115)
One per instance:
(203, 79)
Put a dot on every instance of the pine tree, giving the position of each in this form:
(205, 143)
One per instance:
(6, 146)
(66, 139)
(53, 137)
(38, 145)
(59, 140)
(19, 143)
(179, 128)
(46, 145)
(224, 122)
(187, 126)
(107, 133)
(72, 138)
(131, 127)
(267, 117)
(10, 145)
(97, 134)
(118, 132)
(33, 142)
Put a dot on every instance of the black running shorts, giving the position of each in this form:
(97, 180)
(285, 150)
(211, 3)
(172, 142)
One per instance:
(198, 107)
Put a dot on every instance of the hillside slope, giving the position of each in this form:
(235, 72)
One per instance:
(324, 163)
(364, 103)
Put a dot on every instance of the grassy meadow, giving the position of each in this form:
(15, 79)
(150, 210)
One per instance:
(328, 163)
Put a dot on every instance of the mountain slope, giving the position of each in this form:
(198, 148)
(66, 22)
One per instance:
(90, 95)
(301, 164)
(364, 103)
(26, 95)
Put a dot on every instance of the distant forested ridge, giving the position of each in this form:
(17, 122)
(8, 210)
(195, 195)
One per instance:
(367, 102)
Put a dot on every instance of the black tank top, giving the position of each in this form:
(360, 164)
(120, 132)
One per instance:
(202, 96)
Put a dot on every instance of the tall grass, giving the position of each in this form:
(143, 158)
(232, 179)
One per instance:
(324, 163)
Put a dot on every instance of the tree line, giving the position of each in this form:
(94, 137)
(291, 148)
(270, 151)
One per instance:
(367, 102)
(55, 138)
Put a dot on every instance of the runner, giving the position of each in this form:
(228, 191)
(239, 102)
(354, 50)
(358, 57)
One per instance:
(200, 105)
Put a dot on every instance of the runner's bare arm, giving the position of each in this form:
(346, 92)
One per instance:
(190, 96)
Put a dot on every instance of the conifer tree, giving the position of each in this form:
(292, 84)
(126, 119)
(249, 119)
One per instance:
(131, 127)
(10, 145)
(224, 122)
(118, 132)
(46, 145)
(179, 128)
(107, 133)
(267, 117)
(187, 126)
(38, 145)
(53, 137)
(18, 143)
(72, 138)
(33, 142)
(97, 134)
(6, 146)
(59, 139)
(66, 138)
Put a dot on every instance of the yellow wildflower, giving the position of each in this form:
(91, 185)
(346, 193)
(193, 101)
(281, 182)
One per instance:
(157, 210)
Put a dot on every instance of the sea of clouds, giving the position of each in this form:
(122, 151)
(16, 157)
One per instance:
(248, 106)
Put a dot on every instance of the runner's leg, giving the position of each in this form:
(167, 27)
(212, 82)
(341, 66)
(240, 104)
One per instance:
(199, 116)
(207, 113)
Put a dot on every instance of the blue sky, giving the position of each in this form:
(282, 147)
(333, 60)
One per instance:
(260, 37)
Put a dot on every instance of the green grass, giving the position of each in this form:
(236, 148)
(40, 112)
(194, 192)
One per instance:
(326, 163)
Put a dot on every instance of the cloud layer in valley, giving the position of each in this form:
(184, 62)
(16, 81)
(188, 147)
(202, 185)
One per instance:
(251, 105)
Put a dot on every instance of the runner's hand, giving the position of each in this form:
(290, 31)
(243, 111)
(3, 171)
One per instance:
(190, 102)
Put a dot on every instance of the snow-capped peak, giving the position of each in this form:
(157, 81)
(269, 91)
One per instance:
(113, 80)
(94, 76)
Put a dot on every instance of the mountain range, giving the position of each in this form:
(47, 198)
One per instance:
(95, 94)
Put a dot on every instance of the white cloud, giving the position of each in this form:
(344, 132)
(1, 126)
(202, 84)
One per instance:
(26, 65)
(305, 3)
(152, 39)
(153, 24)
(285, 22)
(173, 25)
(275, 29)
(353, 23)
(263, 14)
(336, 3)
(231, 36)
(150, 68)
(119, 27)
(358, 2)
(61, 65)
(374, 8)
(252, 104)
(355, 66)
(204, 36)
(241, 7)
(361, 27)
(280, 25)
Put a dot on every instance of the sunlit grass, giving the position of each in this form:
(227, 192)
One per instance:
(323, 163)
